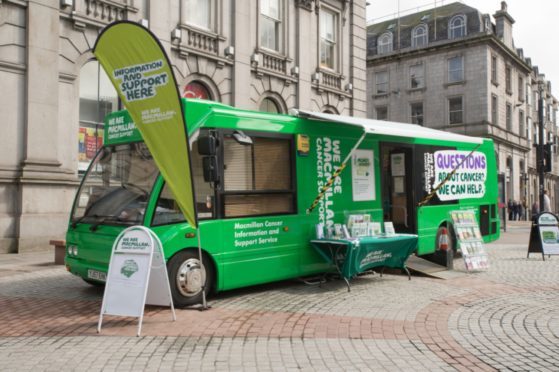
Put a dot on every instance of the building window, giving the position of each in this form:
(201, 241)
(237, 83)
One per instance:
(417, 113)
(382, 82)
(535, 133)
(456, 69)
(494, 109)
(455, 110)
(269, 105)
(508, 81)
(384, 43)
(417, 79)
(520, 88)
(457, 27)
(257, 177)
(328, 38)
(98, 98)
(509, 117)
(195, 89)
(494, 69)
(420, 36)
(270, 24)
(199, 13)
(382, 112)
(521, 130)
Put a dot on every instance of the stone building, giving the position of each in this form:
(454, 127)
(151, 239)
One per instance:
(456, 69)
(262, 55)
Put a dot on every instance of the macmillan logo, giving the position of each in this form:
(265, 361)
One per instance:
(129, 267)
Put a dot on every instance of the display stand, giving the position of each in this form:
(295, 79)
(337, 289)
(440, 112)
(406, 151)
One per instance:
(470, 240)
(544, 235)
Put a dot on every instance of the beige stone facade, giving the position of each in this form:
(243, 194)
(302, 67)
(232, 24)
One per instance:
(250, 54)
(465, 76)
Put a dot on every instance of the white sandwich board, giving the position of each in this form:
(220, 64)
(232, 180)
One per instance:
(137, 276)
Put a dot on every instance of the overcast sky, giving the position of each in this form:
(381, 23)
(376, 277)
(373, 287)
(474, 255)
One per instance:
(536, 29)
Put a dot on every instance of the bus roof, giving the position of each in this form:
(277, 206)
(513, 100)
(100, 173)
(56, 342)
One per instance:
(389, 128)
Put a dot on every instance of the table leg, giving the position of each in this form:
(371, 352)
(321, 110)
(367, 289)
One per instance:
(407, 272)
(347, 283)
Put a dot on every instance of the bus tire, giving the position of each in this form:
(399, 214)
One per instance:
(186, 278)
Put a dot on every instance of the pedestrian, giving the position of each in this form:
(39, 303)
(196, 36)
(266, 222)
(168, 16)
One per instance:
(523, 210)
(514, 210)
(546, 202)
(509, 207)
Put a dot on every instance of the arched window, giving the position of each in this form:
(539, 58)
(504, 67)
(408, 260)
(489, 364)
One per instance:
(269, 105)
(98, 98)
(420, 36)
(198, 90)
(384, 44)
(457, 27)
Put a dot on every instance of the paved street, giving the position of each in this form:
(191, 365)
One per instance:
(503, 319)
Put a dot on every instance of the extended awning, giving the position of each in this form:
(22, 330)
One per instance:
(389, 128)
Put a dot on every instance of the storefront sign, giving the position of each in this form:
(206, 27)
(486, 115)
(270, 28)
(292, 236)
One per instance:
(363, 175)
(469, 179)
(137, 276)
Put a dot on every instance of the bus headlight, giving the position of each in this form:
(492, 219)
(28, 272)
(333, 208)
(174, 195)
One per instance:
(72, 250)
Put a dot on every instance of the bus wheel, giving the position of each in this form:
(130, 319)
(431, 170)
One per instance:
(187, 277)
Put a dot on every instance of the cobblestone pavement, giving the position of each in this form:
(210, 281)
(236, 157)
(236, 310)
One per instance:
(502, 319)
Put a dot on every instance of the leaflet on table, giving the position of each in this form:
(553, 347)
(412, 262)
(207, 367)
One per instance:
(358, 226)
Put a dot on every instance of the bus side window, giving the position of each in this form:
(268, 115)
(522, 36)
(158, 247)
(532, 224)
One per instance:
(258, 177)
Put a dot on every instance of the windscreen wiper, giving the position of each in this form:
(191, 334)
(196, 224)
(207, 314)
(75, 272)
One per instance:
(94, 226)
(76, 222)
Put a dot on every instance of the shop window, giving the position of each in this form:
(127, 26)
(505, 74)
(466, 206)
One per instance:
(270, 24)
(257, 178)
(195, 89)
(98, 98)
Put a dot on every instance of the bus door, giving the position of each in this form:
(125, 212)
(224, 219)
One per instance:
(397, 186)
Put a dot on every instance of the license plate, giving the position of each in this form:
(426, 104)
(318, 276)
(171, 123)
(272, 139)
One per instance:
(97, 275)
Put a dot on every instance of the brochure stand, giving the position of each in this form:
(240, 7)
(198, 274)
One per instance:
(137, 276)
(469, 239)
(544, 235)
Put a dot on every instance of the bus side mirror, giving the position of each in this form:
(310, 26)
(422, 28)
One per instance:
(207, 146)
(211, 171)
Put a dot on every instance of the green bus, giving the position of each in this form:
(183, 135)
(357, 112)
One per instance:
(255, 176)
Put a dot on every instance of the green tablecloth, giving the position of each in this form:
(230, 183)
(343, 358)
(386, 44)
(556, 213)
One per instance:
(352, 257)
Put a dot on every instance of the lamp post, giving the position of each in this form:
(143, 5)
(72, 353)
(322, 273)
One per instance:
(540, 147)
